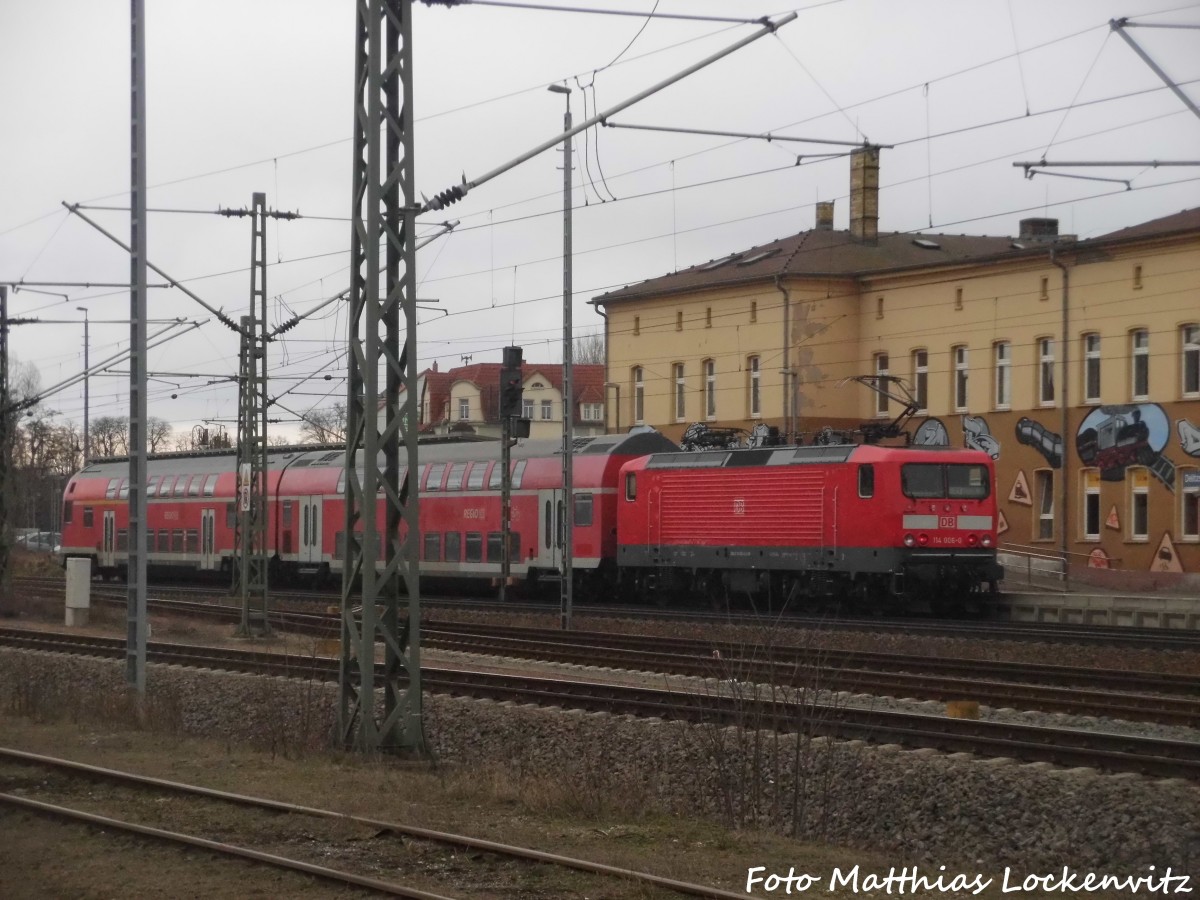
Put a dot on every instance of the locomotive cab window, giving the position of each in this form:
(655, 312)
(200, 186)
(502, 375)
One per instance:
(67, 512)
(631, 486)
(936, 482)
(866, 481)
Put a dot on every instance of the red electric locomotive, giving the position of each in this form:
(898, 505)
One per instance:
(880, 526)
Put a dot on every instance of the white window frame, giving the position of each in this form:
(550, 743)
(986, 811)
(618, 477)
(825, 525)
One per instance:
(881, 400)
(1002, 358)
(680, 378)
(1091, 367)
(920, 377)
(710, 389)
(1139, 502)
(961, 359)
(526, 408)
(1189, 501)
(1043, 509)
(1090, 479)
(1189, 360)
(1045, 380)
(639, 396)
(464, 409)
(547, 410)
(1139, 363)
(755, 399)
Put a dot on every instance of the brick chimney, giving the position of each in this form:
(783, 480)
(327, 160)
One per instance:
(864, 195)
(825, 215)
(1039, 230)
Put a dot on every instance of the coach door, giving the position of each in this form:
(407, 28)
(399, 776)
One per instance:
(550, 514)
(108, 540)
(208, 518)
(310, 529)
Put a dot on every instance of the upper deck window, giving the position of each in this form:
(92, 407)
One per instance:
(955, 481)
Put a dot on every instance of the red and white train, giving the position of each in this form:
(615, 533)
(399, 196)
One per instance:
(851, 522)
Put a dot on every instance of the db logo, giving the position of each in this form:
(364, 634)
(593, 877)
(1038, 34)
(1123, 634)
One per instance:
(947, 521)
(739, 507)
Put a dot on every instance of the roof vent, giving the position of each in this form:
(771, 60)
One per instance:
(1039, 230)
(927, 245)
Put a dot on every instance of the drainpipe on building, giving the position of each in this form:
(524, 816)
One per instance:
(788, 383)
(1065, 492)
(604, 316)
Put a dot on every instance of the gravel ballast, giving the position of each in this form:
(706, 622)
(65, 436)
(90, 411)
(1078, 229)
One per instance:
(923, 805)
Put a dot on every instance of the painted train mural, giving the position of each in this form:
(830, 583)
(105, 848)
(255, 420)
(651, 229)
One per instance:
(1140, 525)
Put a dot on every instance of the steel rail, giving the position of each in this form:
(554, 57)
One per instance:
(282, 862)
(427, 834)
(1103, 750)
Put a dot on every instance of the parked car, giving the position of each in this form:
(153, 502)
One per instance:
(40, 541)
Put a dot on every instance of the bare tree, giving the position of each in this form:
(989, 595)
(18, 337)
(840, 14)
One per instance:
(158, 432)
(589, 349)
(324, 426)
(110, 436)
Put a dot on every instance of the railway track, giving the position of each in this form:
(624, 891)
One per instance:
(1049, 633)
(747, 708)
(1130, 696)
(76, 772)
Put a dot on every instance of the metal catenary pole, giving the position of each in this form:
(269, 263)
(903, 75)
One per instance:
(250, 569)
(380, 421)
(135, 645)
(566, 592)
(5, 419)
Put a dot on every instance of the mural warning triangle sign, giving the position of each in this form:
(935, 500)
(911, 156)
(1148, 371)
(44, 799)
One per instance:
(1166, 559)
(1113, 521)
(1001, 522)
(1020, 490)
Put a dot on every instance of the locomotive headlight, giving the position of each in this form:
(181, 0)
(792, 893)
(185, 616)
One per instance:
(910, 541)
(986, 540)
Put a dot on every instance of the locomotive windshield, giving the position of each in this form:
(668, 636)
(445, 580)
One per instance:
(936, 481)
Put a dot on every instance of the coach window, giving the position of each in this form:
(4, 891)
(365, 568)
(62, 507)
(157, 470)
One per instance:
(631, 486)
(518, 473)
(495, 476)
(287, 513)
(151, 486)
(67, 513)
(341, 482)
(433, 547)
(181, 486)
(193, 540)
(1138, 480)
(1189, 524)
(495, 546)
(339, 545)
(87, 517)
(454, 482)
(453, 546)
(210, 485)
(866, 481)
(433, 481)
(474, 546)
(111, 492)
(1091, 504)
(547, 521)
(475, 477)
(123, 493)
(194, 485)
(123, 540)
(583, 509)
(164, 541)
(1043, 493)
(176, 540)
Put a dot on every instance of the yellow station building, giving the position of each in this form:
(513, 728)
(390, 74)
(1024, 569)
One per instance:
(1075, 364)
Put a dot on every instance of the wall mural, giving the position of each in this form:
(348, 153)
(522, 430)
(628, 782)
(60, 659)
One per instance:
(1112, 438)
(1189, 437)
(1020, 490)
(1046, 442)
(932, 433)
(1098, 559)
(977, 436)
(1166, 559)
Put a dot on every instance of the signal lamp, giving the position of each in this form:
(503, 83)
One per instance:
(922, 539)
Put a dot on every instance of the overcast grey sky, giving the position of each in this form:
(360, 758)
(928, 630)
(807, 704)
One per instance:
(257, 96)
